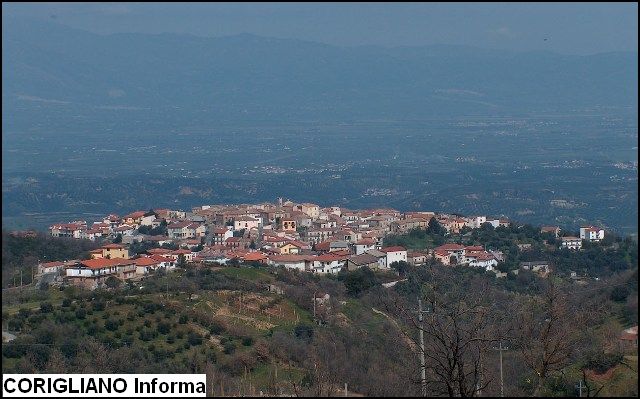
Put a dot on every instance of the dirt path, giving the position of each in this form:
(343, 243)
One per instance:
(406, 339)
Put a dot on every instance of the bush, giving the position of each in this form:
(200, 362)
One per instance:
(601, 362)
(247, 341)
(164, 328)
(111, 325)
(619, 294)
(46, 307)
(81, 314)
(147, 335)
(216, 327)
(357, 282)
(229, 347)
(194, 339)
(304, 332)
(66, 302)
(183, 319)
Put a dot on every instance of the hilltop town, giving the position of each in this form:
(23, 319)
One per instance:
(302, 236)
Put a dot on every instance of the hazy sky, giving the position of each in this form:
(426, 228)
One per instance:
(570, 28)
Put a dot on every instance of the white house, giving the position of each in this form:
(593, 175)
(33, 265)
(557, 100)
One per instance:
(328, 263)
(246, 223)
(571, 242)
(50, 267)
(364, 245)
(186, 229)
(591, 233)
(394, 254)
(381, 256)
(477, 221)
(299, 262)
(147, 220)
(482, 259)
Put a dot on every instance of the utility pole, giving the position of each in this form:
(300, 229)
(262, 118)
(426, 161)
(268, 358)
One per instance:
(21, 278)
(314, 306)
(346, 392)
(580, 387)
(423, 369)
(501, 348)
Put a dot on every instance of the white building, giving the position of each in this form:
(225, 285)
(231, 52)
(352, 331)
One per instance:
(591, 233)
(571, 243)
(394, 254)
(477, 221)
(364, 245)
(327, 263)
(246, 223)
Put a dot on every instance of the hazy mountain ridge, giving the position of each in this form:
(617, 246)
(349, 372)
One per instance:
(282, 79)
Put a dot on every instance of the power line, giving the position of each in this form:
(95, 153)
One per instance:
(501, 349)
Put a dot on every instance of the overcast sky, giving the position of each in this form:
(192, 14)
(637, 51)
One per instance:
(569, 28)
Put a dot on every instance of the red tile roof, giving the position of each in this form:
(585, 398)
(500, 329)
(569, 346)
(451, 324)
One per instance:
(254, 256)
(393, 249)
(112, 246)
(52, 264)
(103, 263)
(146, 261)
(450, 247)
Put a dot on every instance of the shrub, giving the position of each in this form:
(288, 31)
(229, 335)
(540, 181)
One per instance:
(229, 347)
(247, 341)
(601, 362)
(46, 307)
(111, 325)
(619, 294)
(194, 339)
(164, 328)
(183, 319)
(81, 314)
(304, 332)
(216, 327)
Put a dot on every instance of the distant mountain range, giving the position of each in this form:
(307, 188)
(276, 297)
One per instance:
(49, 67)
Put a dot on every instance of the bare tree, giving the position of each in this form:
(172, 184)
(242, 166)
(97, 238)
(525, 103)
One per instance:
(459, 329)
(546, 335)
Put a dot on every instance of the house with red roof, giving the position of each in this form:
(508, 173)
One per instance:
(448, 250)
(246, 223)
(72, 230)
(146, 265)
(629, 339)
(416, 258)
(365, 244)
(93, 273)
(110, 251)
(298, 262)
(134, 217)
(328, 263)
(237, 243)
(186, 229)
(50, 267)
(394, 254)
(186, 253)
(255, 257)
(219, 235)
(591, 233)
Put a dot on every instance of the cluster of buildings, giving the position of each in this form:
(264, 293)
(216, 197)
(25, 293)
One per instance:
(302, 236)
(587, 233)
